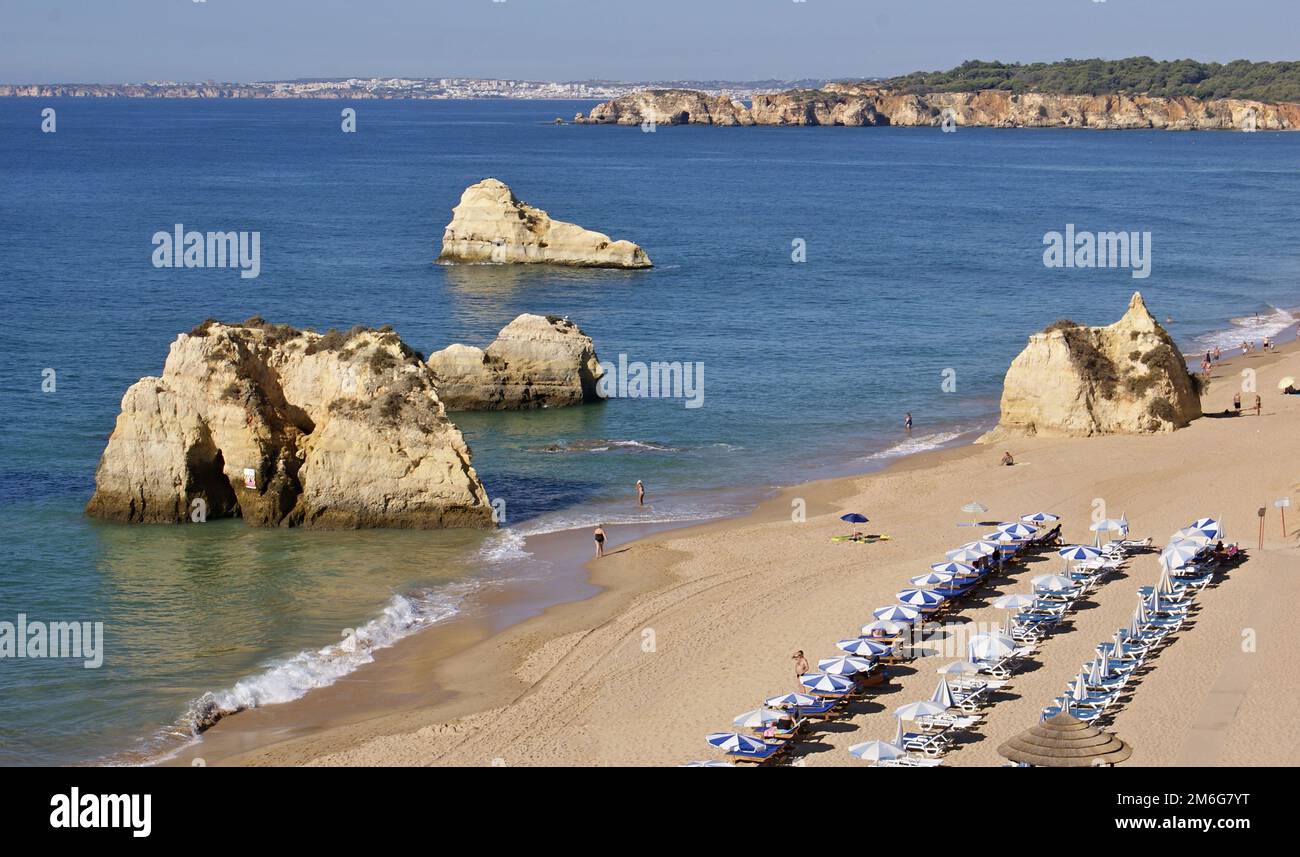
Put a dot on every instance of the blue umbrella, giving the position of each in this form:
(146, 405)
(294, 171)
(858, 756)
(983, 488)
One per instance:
(897, 613)
(864, 647)
(919, 598)
(825, 682)
(854, 518)
(734, 742)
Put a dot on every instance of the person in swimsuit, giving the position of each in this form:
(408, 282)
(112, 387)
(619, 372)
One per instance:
(599, 537)
(1008, 459)
(1259, 403)
(800, 665)
(1236, 402)
(640, 493)
(907, 421)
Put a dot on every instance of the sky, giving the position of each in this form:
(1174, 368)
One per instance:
(117, 41)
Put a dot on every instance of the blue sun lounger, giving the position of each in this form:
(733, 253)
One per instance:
(769, 752)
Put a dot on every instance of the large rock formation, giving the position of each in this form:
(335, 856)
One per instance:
(293, 428)
(868, 104)
(535, 362)
(490, 225)
(1126, 378)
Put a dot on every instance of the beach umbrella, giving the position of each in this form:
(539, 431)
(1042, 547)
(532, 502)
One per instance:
(965, 555)
(863, 647)
(1079, 552)
(1040, 518)
(1052, 583)
(984, 546)
(1178, 554)
(958, 668)
(1288, 381)
(943, 694)
(898, 732)
(735, 741)
(1024, 531)
(825, 682)
(884, 627)
(845, 665)
(1065, 742)
(1013, 603)
(953, 568)
(1105, 663)
(987, 647)
(1001, 539)
(1166, 583)
(1106, 526)
(875, 751)
(759, 718)
(913, 710)
(1206, 524)
(932, 578)
(897, 613)
(974, 509)
(1153, 603)
(1080, 690)
(854, 518)
(1194, 538)
(1123, 524)
(919, 597)
(711, 763)
(790, 700)
(1096, 675)
(1134, 630)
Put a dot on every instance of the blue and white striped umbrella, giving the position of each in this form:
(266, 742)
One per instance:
(953, 568)
(734, 741)
(1022, 530)
(1001, 539)
(1077, 552)
(897, 613)
(931, 578)
(759, 718)
(711, 763)
(864, 648)
(1179, 554)
(919, 597)
(790, 700)
(846, 665)
(1040, 518)
(874, 751)
(825, 682)
(1207, 525)
(913, 710)
(966, 554)
(884, 627)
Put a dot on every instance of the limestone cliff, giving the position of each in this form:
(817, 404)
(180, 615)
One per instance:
(855, 104)
(1127, 378)
(490, 225)
(291, 428)
(535, 362)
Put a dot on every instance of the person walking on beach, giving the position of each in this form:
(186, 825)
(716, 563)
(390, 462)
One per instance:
(1236, 403)
(800, 666)
(907, 421)
(640, 493)
(599, 537)
(1258, 404)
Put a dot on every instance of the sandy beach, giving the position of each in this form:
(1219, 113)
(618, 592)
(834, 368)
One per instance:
(693, 626)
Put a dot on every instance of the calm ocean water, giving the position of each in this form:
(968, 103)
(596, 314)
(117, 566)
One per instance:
(924, 253)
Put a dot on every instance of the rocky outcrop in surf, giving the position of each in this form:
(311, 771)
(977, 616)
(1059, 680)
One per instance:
(490, 225)
(535, 362)
(283, 427)
(858, 104)
(1126, 378)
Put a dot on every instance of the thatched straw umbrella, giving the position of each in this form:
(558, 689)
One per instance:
(1065, 742)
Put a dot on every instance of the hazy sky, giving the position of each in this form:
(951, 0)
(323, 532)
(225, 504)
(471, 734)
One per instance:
(59, 41)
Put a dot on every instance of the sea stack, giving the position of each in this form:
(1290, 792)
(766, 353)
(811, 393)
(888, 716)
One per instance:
(1126, 378)
(490, 225)
(535, 362)
(283, 427)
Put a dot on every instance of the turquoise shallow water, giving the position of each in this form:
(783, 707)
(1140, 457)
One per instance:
(923, 253)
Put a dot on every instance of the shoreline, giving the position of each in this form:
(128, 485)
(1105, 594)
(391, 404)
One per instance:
(482, 674)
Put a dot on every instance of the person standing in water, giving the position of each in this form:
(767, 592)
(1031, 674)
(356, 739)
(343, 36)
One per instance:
(599, 537)
(907, 421)
(640, 493)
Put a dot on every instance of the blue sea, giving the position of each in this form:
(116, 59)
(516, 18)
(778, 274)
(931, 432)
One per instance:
(922, 252)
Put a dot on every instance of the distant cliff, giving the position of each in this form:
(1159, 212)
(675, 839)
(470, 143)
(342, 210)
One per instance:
(851, 104)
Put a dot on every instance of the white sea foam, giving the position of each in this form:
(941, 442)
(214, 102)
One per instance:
(919, 443)
(1252, 328)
